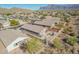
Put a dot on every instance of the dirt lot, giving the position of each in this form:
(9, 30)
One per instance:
(2, 48)
(4, 51)
(16, 51)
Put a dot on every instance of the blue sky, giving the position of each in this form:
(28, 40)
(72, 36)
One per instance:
(28, 6)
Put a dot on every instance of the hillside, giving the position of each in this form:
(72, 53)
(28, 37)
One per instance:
(13, 10)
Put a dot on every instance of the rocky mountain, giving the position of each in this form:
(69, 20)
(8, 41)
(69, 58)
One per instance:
(60, 7)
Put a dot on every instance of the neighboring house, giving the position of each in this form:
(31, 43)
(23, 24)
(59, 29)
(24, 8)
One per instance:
(1, 17)
(49, 21)
(2, 21)
(11, 39)
(34, 18)
(5, 23)
(38, 28)
(33, 29)
(12, 16)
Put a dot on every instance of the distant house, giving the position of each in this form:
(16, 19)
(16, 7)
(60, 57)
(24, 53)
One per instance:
(2, 18)
(2, 21)
(11, 39)
(34, 18)
(5, 23)
(12, 16)
(49, 21)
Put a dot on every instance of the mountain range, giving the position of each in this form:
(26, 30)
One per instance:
(60, 7)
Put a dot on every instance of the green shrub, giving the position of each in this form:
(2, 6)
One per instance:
(44, 14)
(66, 19)
(57, 43)
(8, 14)
(72, 40)
(14, 22)
(34, 45)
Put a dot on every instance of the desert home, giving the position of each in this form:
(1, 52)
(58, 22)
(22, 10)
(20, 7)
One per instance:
(39, 27)
(11, 39)
(49, 21)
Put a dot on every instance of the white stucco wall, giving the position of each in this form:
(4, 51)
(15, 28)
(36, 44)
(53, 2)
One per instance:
(12, 45)
(7, 24)
(43, 33)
